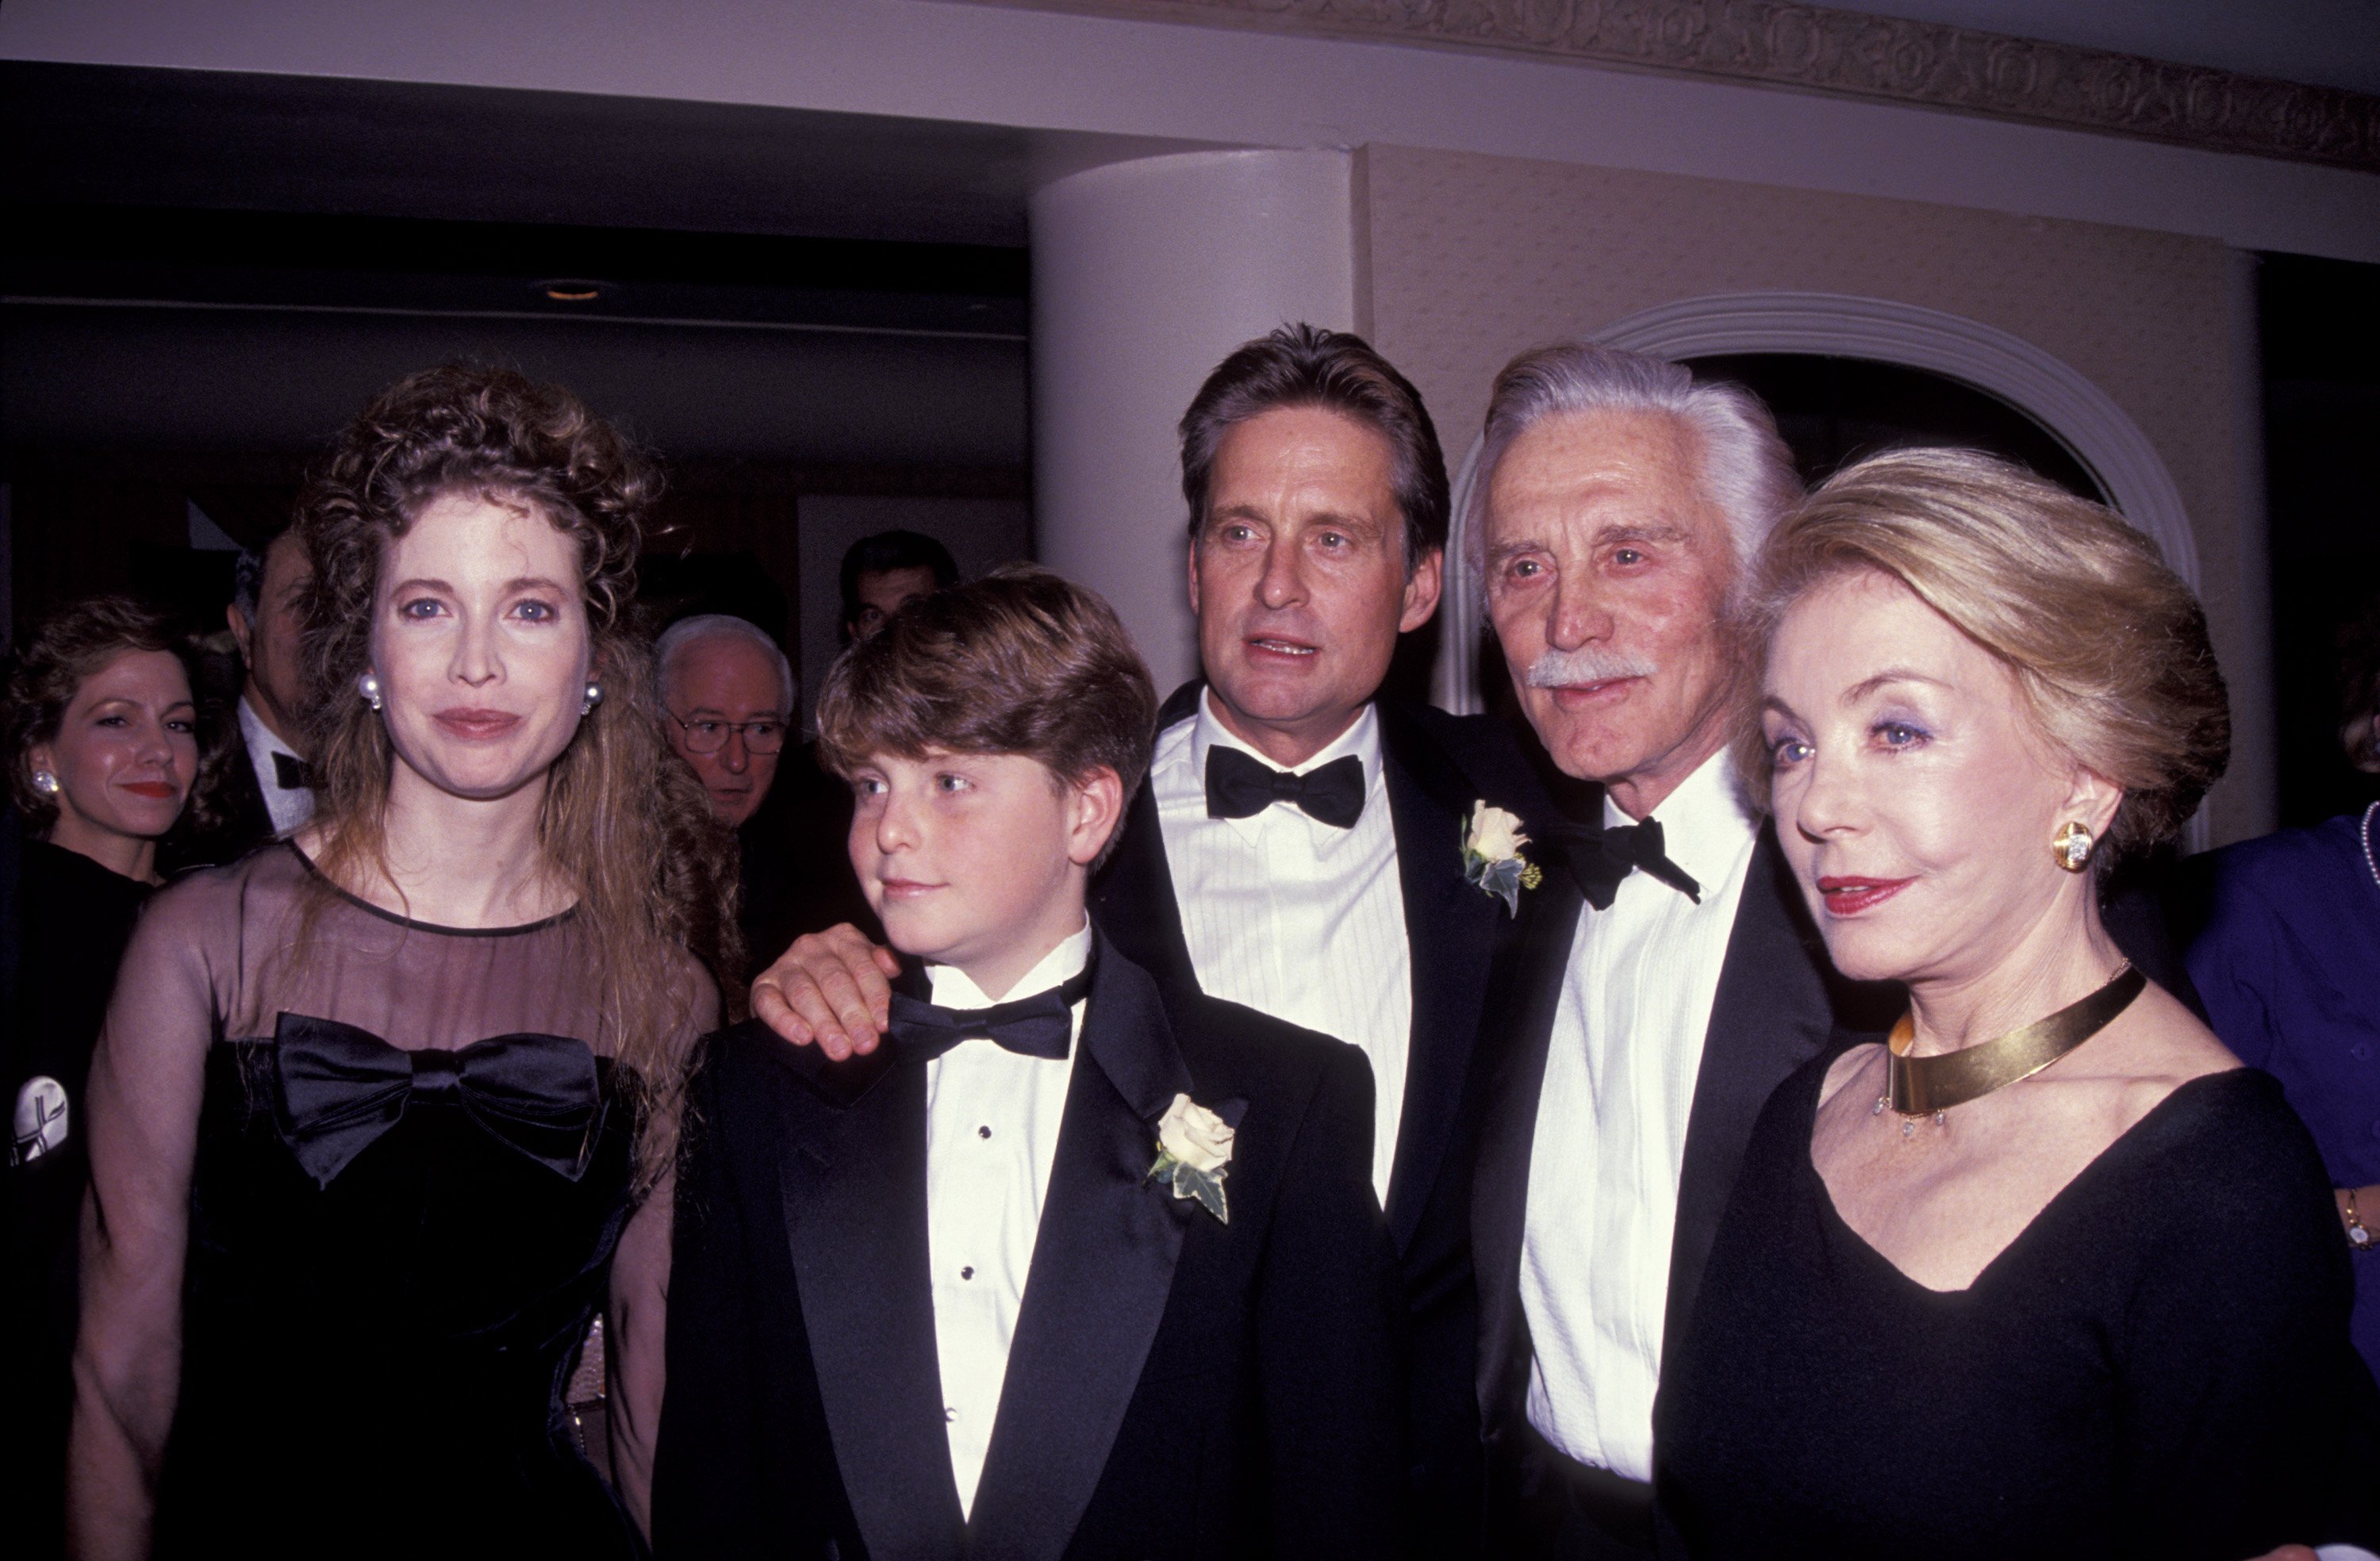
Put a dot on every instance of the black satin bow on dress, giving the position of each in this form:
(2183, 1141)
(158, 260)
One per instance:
(1241, 787)
(1600, 858)
(341, 1087)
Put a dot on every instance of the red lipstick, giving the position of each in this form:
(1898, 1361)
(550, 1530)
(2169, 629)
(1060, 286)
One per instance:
(160, 790)
(1849, 897)
(477, 726)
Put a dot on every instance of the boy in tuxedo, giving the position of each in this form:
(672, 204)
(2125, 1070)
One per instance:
(1072, 1266)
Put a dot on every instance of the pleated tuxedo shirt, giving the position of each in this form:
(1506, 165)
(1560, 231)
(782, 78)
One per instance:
(1291, 916)
(991, 1136)
(1621, 1066)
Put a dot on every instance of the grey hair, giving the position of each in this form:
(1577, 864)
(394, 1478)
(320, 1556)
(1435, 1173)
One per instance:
(1745, 469)
(718, 625)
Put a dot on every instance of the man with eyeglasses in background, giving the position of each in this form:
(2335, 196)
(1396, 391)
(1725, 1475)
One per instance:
(728, 703)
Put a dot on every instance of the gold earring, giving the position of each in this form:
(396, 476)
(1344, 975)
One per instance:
(2071, 845)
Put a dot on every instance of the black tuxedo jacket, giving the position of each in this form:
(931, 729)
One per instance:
(1438, 767)
(1775, 1007)
(242, 823)
(1176, 1386)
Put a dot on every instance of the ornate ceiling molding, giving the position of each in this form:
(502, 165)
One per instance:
(1818, 49)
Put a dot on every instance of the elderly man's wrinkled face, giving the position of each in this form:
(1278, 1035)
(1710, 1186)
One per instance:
(1607, 580)
(721, 689)
(1299, 580)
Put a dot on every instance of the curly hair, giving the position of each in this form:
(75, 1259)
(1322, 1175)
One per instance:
(623, 823)
(2359, 687)
(2107, 646)
(64, 651)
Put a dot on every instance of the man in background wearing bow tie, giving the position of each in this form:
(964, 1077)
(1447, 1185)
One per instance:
(269, 789)
(1298, 845)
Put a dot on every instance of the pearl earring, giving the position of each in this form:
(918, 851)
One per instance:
(2072, 846)
(369, 686)
(593, 696)
(45, 783)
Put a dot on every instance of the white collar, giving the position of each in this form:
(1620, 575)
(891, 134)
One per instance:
(261, 739)
(1362, 739)
(1705, 823)
(954, 988)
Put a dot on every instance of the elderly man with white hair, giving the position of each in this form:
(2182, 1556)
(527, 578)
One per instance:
(1662, 988)
(728, 697)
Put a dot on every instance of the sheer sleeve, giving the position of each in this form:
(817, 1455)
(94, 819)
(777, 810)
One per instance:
(148, 1081)
(637, 1328)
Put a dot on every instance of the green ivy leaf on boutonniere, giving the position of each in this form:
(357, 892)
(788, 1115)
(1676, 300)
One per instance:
(1194, 1154)
(1491, 855)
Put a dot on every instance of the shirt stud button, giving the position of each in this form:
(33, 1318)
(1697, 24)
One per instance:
(967, 1273)
(983, 1133)
(949, 1414)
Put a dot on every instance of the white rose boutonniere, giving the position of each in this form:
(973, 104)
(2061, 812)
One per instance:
(1194, 1154)
(1491, 855)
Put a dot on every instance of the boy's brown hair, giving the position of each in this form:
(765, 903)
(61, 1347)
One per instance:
(1021, 662)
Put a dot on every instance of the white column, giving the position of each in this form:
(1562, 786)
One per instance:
(1144, 276)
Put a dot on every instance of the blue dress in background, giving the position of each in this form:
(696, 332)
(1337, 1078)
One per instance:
(2289, 966)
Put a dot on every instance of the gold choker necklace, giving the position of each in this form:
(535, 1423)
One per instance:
(1928, 1086)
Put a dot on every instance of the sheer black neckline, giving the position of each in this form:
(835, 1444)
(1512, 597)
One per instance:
(385, 915)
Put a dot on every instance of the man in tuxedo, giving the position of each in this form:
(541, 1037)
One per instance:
(1298, 845)
(1070, 1266)
(1661, 988)
(269, 787)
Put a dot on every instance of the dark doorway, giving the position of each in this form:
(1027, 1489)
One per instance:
(1834, 410)
(2321, 331)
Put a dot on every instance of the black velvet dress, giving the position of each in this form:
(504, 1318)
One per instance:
(2157, 1366)
(77, 917)
(411, 1173)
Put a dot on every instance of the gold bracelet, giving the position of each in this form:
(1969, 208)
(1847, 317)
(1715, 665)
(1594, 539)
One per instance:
(2358, 1236)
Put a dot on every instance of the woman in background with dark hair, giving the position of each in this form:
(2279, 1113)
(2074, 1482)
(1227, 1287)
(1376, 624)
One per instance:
(2288, 966)
(100, 740)
(383, 1114)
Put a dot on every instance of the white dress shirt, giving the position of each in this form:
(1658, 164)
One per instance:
(1626, 1047)
(289, 808)
(1290, 915)
(991, 1136)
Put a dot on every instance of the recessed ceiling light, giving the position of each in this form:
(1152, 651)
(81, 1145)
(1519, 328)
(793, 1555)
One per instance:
(572, 289)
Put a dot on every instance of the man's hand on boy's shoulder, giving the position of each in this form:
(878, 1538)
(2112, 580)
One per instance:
(831, 989)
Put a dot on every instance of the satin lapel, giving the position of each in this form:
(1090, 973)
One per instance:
(854, 1204)
(1451, 929)
(1770, 1014)
(1133, 902)
(1104, 1266)
(1526, 984)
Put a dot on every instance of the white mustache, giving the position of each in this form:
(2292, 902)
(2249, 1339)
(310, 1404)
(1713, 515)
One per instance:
(1570, 669)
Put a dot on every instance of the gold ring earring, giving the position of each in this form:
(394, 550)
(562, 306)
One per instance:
(2071, 845)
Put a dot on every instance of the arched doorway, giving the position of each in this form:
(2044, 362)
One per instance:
(1859, 373)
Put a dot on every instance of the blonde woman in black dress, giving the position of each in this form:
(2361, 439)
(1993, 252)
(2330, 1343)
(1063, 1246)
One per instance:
(2050, 1274)
(383, 1114)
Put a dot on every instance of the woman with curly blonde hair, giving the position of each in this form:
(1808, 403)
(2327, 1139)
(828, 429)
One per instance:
(383, 1113)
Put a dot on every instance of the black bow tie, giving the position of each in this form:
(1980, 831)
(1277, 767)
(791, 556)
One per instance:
(1041, 1025)
(1600, 858)
(341, 1087)
(1241, 787)
(292, 773)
